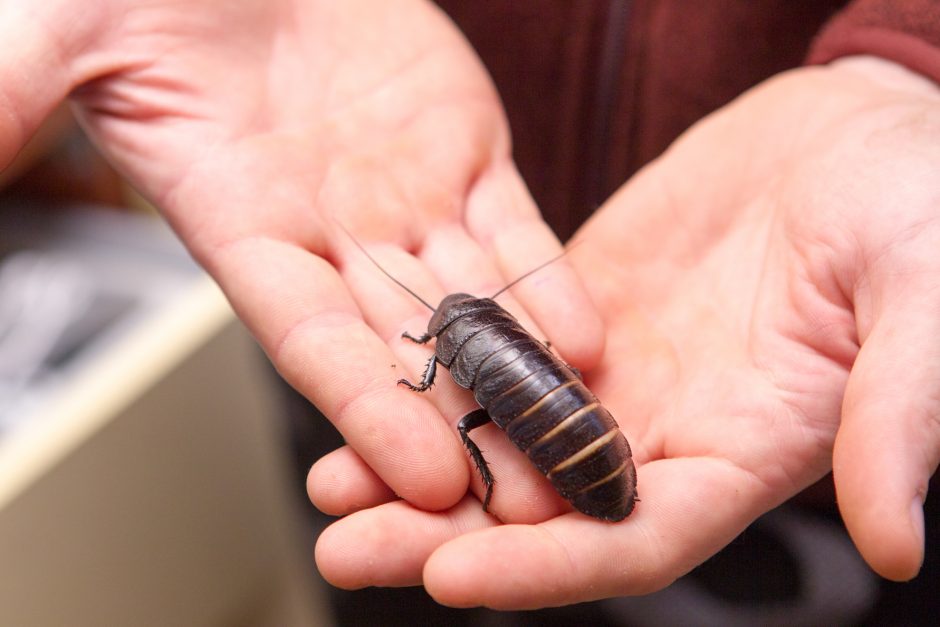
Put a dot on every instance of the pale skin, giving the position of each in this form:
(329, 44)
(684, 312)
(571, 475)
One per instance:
(756, 307)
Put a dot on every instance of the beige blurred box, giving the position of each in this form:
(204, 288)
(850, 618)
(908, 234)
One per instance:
(149, 485)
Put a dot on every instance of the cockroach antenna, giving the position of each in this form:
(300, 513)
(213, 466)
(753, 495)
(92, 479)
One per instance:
(536, 269)
(383, 270)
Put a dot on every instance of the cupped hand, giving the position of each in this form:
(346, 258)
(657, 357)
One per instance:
(771, 296)
(263, 129)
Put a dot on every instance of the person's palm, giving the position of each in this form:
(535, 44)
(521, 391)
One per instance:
(738, 276)
(261, 130)
(770, 292)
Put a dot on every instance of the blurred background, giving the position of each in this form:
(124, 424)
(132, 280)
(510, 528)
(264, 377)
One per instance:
(145, 474)
(152, 464)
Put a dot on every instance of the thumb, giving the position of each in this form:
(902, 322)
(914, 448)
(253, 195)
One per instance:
(888, 444)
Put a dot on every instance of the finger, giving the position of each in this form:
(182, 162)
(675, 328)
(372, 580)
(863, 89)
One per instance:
(460, 264)
(502, 216)
(691, 508)
(341, 483)
(298, 307)
(391, 311)
(396, 290)
(388, 545)
(888, 444)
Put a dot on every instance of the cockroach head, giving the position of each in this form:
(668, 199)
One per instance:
(451, 307)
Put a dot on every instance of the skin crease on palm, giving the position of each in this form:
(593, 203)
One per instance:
(755, 307)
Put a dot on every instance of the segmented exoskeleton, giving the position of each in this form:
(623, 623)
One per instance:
(535, 397)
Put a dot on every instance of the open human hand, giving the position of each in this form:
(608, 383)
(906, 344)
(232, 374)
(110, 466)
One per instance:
(770, 293)
(262, 129)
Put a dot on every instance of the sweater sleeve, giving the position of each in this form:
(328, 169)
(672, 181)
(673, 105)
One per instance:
(904, 31)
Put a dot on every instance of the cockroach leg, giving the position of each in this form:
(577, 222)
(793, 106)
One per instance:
(475, 419)
(430, 371)
(424, 339)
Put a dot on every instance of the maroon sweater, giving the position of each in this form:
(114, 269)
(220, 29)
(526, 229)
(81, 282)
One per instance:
(594, 90)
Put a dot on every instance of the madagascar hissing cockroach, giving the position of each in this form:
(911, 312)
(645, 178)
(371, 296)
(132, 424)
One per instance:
(539, 401)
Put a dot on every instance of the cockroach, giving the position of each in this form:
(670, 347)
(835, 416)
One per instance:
(540, 401)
